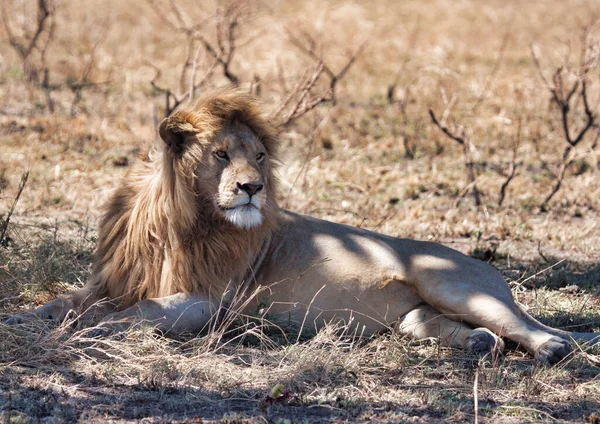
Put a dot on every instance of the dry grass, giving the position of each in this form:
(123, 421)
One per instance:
(364, 161)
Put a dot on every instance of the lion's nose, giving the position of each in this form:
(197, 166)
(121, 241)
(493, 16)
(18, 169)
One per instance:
(250, 188)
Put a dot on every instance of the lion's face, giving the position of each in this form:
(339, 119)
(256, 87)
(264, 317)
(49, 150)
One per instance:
(234, 175)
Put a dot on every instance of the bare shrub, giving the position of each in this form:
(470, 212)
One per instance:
(84, 80)
(229, 21)
(31, 41)
(512, 169)
(307, 44)
(463, 140)
(5, 220)
(300, 100)
(568, 86)
(402, 95)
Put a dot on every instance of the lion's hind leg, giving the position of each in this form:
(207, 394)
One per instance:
(425, 322)
(485, 300)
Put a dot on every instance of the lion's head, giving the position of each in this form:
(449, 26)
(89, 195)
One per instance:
(196, 214)
(229, 148)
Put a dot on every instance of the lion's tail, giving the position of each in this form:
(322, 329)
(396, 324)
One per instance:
(590, 338)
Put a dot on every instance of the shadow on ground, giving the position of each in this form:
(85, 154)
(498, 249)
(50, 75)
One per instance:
(77, 398)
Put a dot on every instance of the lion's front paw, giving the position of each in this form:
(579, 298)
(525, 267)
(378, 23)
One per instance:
(482, 341)
(55, 311)
(29, 316)
(100, 332)
(15, 319)
(113, 324)
(553, 351)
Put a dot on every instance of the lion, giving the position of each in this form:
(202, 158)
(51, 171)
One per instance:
(199, 218)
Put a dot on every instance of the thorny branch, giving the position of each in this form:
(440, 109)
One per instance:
(309, 48)
(303, 101)
(513, 165)
(466, 145)
(31, 43)
(84, 81)
(403, 101)
(4, 222)
(565, 97)
(228, 21)
(172, 100)
(496, 67)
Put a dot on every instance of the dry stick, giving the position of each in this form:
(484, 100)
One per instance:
(308, 311)
(409, 151)
(24, 48)
(45, 84)
(496, 67)
(188, 31)
(4, 227)
(513, 165)
(189, 51)
(83, 82)
(412, 41)
(467, 155)
(304, 167)
(193, 78)
(564, 104)
(475, 397)
(298, 88)
(173, 101)
(304, 103)
(464, 192)
(224, 53)
(310, 51)
(167, 92)
(563, 99)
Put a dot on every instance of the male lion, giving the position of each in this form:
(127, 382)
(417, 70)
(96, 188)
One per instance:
(200, 217)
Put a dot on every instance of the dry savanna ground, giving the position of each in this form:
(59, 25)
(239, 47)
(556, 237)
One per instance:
(83, 86)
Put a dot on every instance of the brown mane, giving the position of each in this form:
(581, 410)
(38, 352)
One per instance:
(159, 234)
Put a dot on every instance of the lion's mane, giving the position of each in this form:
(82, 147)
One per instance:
(159, 234)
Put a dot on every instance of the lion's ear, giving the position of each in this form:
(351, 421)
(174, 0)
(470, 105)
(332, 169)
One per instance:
(175, 131)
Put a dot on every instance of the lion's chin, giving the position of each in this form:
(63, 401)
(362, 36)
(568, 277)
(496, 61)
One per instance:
(246, 216)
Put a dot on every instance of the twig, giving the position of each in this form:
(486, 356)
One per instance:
(513, 165)
(466, 146)
(496, 67)
(520, 284)
(6, 220)
(309, 50)
(31, 43)
(304, 103)
(222, 51)
(193, 78)
(445, 130)
(411, 41)
(564, 98)
(303, 168)
(83, 81)
(26, 47)
(475, 396)
(228, 23)
(542, 253)
(308, 311)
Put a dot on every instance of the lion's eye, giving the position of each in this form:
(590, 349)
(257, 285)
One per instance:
(260, 156)
(221, 154)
